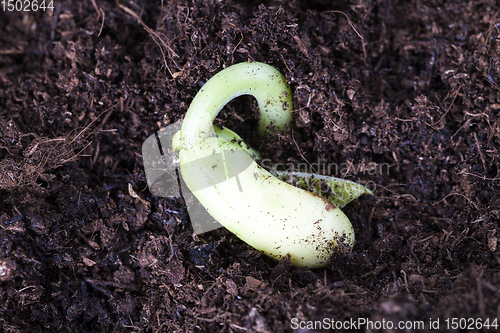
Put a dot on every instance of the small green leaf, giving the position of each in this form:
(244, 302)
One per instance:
(338, 191)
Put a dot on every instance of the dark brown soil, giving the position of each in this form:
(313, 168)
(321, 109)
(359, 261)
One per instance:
(404, 92)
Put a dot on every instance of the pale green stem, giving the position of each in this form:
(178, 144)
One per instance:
(262, 81)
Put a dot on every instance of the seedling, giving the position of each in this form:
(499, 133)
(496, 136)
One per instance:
(262, 210)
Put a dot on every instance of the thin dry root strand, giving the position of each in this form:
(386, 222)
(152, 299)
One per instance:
(353, 28)
(41, 155)
(154, 35)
